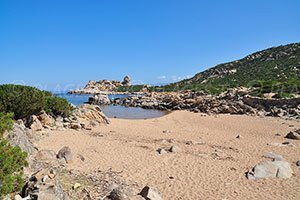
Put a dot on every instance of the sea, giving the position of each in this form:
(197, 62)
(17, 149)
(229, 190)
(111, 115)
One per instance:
(115, 111)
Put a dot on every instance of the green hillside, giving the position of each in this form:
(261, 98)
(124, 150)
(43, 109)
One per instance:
(275, 69)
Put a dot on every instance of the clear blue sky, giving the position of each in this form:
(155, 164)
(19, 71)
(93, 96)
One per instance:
(48, 42)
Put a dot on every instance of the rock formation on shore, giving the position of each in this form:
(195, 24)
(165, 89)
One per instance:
(235, 101)
(102, 86)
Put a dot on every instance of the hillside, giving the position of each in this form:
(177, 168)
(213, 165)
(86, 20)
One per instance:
(275, 69)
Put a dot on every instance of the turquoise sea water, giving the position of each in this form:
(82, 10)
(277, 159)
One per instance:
(117, 111)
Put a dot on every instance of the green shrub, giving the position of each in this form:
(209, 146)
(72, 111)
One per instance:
(132, 88)
(24, 101)
(58, 106)
(12, 160)
(6, 122)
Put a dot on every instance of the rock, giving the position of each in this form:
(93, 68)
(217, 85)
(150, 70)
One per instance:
(295, 135)
(273, 156)
(45, 178)
(174, 149)
(18, 197)
(238, 136)
(268, 169)
(45, 119)
(93, 123)
(86, 113)
(298, 163)
(120, 193)
(75, 125)
(51, 193)
(65, 153)
(76, 185)
(96, 87)
(150, 193)
(44, 155)
(284, 169)
(99, 99)
(7, 197)
(189, 143)
(126, 81)
(167, 131)
(19, 137)
(161, 151)
(34, 123)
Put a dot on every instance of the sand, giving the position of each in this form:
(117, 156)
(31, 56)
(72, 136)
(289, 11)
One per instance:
(213, 170)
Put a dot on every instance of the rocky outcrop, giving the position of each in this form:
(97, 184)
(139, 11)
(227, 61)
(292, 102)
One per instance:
(234, 101)
(21, 136)
(87, 114)
(126, 81)
(96, 87)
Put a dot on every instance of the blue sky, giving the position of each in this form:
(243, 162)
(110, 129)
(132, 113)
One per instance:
(60, 44)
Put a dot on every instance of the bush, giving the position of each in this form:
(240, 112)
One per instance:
(58, 106)
(24, 101)
(12, 160)
(6, 122)
(132, 88)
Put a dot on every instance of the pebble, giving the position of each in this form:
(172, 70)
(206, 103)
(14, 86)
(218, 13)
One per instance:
(76, 185)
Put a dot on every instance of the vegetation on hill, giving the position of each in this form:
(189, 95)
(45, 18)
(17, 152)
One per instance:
(12, 160)
(132, 88)
(24, 101)
(275, 70)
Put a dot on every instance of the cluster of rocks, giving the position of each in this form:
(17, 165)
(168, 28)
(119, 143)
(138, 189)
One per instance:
(48, 177)
(95, 87)
(85, 116)
(234, 101)
(42, 180)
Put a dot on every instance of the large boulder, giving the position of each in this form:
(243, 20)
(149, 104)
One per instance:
(270, 169)
(19, 136)
(86, 113)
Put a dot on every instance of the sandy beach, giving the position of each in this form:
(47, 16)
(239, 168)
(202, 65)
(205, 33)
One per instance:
(210, 162)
